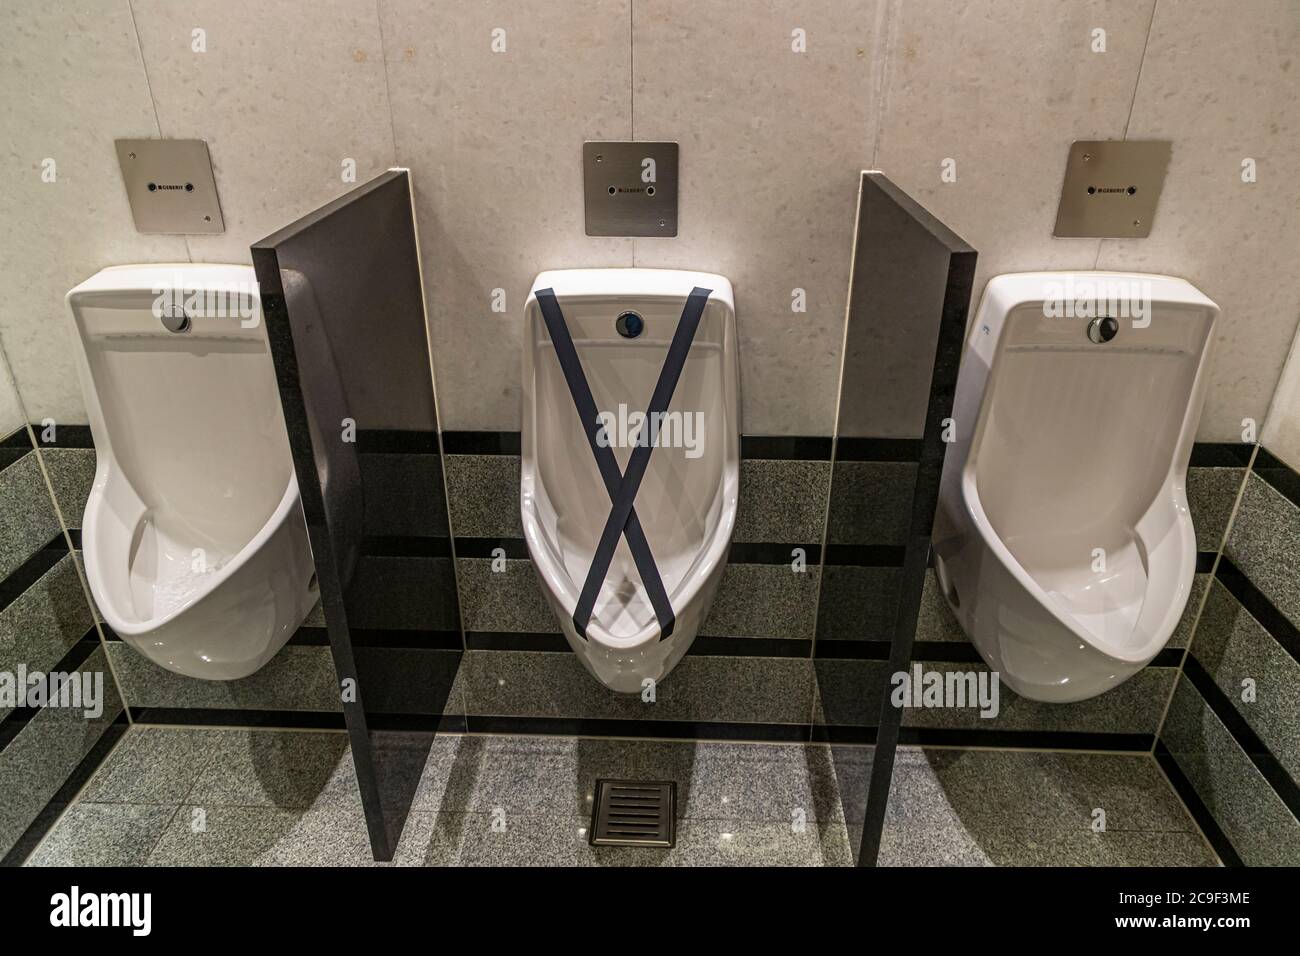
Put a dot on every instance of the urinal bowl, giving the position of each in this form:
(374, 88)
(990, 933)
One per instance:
(687, 501)
(196, 550)
(1063, 540)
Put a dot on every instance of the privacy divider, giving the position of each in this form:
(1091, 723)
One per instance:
(344, 308)
(909, 295)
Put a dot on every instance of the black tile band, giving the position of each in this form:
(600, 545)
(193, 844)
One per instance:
(1249, 741)
(514, 548)
(21, 578)
(480, 443)
(612, 727)
(1196, 807)
(704, 645)
(785, 448)
(1259, 606)
(1220, 454)
(219, 717)
(866, 555)
(1279, 475)
(741, 552)
(388, 441)
(770, 552)
(405, 546)
(877, 449)
(1031, 739)
(65, 436)
(382, 638)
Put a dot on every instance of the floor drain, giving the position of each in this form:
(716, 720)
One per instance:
(634, 813)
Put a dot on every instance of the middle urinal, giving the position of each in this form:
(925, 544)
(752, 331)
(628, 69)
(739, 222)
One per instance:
(631, 459)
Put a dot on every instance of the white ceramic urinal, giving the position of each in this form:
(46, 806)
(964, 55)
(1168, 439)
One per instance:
(1063, 541)
(621, 322)
(195, 546)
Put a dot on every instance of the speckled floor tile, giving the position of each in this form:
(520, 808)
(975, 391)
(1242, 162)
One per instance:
(1256, 821)
(764, 600)
(871, 502)
(297, 678)
(781, 500)
(484, 494)
(72, 471)
(556, 776)
(97, 834)
(509, 600)
(1211, 493)
(264, 836)
(154, 765)
(1265, 544)
(27, 517)
(980, 808)
(1233, 647)
(291, 769)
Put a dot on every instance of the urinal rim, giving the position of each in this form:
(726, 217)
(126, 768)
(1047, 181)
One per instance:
(555, 577)
(1011, 291)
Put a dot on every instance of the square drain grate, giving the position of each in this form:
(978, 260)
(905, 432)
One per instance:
(634, 813)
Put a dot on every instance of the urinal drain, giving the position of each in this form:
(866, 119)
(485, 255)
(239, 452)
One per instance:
(634, 813)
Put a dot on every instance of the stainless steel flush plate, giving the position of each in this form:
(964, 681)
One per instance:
(630, 189)
(1111, 189)
(170, 186)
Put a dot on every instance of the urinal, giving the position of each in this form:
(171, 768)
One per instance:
(195, 545)
(599, 345)
(1063, 540)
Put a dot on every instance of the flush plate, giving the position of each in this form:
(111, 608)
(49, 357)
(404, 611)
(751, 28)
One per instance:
(170, 186)
(630, 189)
(1111, 188)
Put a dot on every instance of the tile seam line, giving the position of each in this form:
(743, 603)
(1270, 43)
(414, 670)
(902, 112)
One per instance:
(76, 798)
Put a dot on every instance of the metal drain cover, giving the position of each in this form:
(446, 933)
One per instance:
(634, 813)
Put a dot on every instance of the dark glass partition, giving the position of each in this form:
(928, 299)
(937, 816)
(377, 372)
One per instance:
(910, 292)
(344, 308)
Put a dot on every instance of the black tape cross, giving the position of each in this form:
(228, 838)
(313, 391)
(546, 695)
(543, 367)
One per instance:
(622, 487)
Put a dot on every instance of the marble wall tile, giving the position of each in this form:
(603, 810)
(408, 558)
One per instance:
(280, 120)
(1003, 87)
(72, 81)
(494, 144)
(1220, 80)
(772, 142)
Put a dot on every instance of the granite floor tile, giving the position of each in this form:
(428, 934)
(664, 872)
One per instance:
(97, 834)
(1256, 822)
(484, 494)
(1265, 544)
(154, 765)
(1211, 494)
(1235, 649)
(1020, 808)
(556, 776)
(764, 600)
(286, 769)
(781, 500)
(264, 836)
